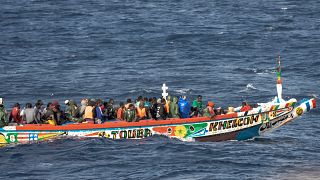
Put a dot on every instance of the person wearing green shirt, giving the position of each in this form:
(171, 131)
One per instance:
(197, 106)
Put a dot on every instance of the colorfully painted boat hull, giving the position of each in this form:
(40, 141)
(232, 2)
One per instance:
(236, 126)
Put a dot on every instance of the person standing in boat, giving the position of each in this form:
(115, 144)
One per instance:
(3, 114)
(15, 114)
(197, 106)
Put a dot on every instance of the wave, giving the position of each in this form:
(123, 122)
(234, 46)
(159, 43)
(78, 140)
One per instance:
(256, 70)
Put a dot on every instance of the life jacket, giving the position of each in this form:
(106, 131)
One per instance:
(141, 113)
(88, 113)
(120, 113)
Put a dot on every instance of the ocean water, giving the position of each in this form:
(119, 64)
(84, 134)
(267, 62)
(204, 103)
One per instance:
(223, 50)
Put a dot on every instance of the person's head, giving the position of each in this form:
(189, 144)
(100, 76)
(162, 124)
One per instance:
(244, 103)
(169, 98)
(121, 104)
(184, 97)
(111, 101)
(1, 101)
(38, 105)
(28, 105)
(199, 98)
(139, 98)
(17, 105)
(40, 102)
(84, 102)
(49, 104)
(131, 107)
(141, 104)
(145, 99)
(163, 101)
(211, 104)
(175, 99)
(129, 100)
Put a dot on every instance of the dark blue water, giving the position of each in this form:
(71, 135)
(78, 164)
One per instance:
(224, 50)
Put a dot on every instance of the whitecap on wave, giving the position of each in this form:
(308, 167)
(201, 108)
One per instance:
(182, 91)
(250, 86)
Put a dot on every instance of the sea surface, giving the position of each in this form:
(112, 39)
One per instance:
(224, 50)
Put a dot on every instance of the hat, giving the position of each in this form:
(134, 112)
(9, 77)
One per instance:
(1, 101)
(66, 101)
(210, 103)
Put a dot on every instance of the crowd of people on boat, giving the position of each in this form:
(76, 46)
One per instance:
(98, 111)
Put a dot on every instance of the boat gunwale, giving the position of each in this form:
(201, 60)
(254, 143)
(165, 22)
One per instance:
(124, 124)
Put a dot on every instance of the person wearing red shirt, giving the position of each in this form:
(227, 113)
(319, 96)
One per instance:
(245, 107)
(15, 114)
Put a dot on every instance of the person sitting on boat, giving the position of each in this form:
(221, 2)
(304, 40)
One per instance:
(174, 108)
(209, 110)
(184, 107)
(138, 101)
(54, 114)
(72, 111)
(28, 115)
(129, 101)
(130, 114)
(197, 107)
(168, 102)
(83, 105)
(147, 103)
(153, 109)
(38, 112)
(141, 111)
(3, 114)
(120, 112)
(219, 111)
(161, 109)
(109, 110)
(99, 115)
(245, 107)
(90, 112)
(15, 114)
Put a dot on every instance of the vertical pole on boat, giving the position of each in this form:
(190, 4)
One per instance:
(164, 91)
(279, 82)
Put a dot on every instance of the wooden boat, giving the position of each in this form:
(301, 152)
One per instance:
(234, 126)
